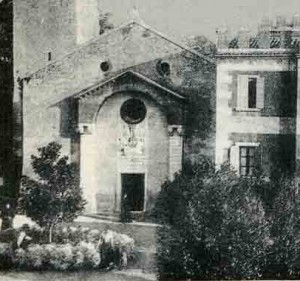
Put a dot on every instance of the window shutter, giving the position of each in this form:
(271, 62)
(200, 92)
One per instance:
(258, 157)
(260, 93)
(235, 158)
(242, 91)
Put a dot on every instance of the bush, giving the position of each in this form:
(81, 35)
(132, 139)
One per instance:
(214, 225)
(75, 248)
(284, 215)
(54, 195)
(116, 248)
(6, 256)
(58, 257)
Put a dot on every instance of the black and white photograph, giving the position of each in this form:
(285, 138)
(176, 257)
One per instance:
(149, 140)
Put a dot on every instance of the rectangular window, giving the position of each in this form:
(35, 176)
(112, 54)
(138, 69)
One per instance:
(247, 161)
(252, 90)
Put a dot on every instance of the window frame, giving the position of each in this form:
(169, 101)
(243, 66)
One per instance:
(240, 93)
(251, 88)
(249, 157)
(234, 154)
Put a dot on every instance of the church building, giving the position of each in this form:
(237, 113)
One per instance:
(116, 102)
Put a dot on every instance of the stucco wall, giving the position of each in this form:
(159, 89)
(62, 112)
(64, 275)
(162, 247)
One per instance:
(41, 27)
(106, 153)
(275, 119)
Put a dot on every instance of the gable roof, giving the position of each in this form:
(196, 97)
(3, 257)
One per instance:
(100, 84)
(135, 22)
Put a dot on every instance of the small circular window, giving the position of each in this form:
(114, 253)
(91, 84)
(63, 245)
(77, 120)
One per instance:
(105, 66)
(133, 111)
(163, 68)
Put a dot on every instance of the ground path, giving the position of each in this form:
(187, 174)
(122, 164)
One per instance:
(127, 275)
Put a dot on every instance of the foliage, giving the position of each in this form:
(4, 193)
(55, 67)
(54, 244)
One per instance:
(8, 192)
(6, 258)
(55, 196)
(104, 23)
(73, 248)
(284, 215)
(58, 256)
(199, 85)
(214, 225)
(202, 45)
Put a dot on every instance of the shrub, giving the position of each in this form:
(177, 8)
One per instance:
(58, 257)
(115, 248)
(87, 255)
(214, 226)
(6, 256)
(94, 249)
(284, 215)
(54, 196)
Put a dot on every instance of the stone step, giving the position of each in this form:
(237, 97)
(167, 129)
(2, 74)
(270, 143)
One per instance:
(104, 216)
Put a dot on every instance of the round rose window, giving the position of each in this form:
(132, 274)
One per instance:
(133, 111)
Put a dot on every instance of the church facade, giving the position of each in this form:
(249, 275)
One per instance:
(117, 105)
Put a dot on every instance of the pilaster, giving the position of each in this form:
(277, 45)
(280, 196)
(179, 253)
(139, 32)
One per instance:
(175, 133)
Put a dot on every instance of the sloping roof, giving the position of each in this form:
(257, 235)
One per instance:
(274, 37)
(100, 84)
(110, 32)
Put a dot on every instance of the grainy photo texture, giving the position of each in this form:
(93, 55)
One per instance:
(149, 140)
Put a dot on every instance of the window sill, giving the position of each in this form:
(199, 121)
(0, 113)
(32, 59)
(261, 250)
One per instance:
(237, 109)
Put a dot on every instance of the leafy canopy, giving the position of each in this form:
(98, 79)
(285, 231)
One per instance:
(54, 195)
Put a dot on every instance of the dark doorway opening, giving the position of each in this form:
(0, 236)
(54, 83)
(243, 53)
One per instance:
(133, 192)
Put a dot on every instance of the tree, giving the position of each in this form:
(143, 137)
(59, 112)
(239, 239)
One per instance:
(9, 191)
(213, 225)
(104, 23)
(54, 196)
(284, 215)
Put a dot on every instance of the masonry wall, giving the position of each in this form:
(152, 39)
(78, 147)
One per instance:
(140, 50)
(274, 126)
(41, 27)
(106, 153)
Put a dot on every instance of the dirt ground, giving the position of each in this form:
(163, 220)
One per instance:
(77, 276)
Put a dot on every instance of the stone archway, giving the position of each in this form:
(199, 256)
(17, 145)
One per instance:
(117, 141)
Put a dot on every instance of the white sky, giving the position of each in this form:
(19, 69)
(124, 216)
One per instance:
(181, 18)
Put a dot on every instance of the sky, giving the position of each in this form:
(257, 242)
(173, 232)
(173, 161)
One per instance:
(185, 18)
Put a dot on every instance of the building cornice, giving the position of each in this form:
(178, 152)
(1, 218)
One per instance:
(268, 53)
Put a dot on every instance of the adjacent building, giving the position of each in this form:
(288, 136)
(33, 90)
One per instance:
(257, 112)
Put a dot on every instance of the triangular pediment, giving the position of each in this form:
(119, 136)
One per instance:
(127, 77)
(90, 100)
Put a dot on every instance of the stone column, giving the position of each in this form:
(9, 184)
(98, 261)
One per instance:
(175, 149)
